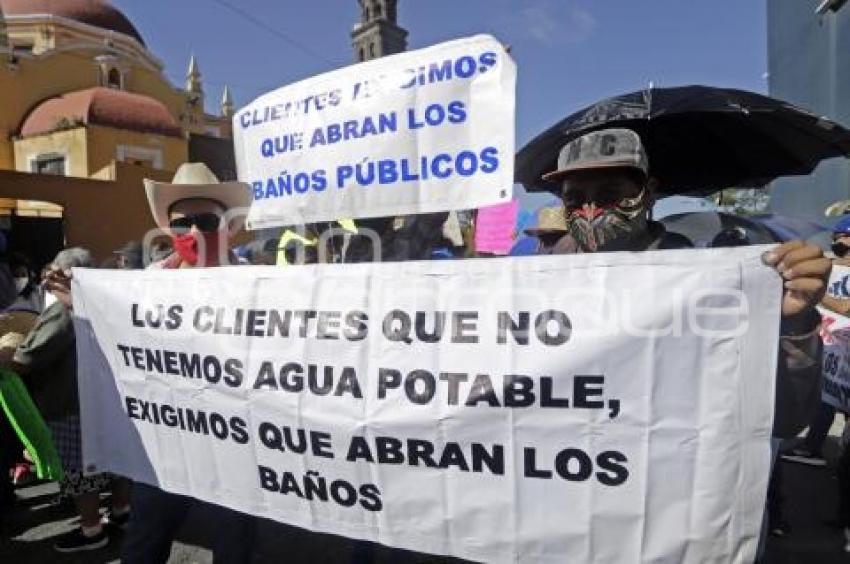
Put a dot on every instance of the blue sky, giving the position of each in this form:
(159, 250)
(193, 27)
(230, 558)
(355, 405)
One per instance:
(569, 52)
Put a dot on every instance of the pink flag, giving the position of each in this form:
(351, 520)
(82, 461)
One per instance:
(494, 228)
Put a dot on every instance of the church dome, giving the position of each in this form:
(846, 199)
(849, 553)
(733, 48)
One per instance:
(102, 106)
(97, 13)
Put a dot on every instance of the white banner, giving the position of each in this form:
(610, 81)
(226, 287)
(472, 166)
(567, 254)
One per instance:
(599, 408)
(424, 131)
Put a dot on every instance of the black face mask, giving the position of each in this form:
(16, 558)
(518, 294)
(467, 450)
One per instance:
(840, 249)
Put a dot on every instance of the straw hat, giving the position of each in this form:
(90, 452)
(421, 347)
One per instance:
(196, 181)
(838, 208)
(15, 323)
(551, 220)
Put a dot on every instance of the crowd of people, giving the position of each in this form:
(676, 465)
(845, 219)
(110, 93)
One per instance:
(607, 194)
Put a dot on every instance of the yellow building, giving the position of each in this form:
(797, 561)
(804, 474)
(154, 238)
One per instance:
(88, 64)
(81, 95)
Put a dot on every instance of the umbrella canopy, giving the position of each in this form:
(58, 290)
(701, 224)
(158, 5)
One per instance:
(699, 138)
(702, 227)
(681, 204)
(787, 228)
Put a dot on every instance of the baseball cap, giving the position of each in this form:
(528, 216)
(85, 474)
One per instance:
(606, 148)
(842, 227)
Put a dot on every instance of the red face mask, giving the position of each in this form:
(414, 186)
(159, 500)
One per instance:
(187, 247)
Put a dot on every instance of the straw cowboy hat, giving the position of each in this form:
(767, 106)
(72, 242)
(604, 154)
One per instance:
(195, 181)
(551, 220)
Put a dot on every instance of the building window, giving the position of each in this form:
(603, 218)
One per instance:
(22, 48)
(377, 9)
(362, 54)
(50, 163)
(140, 156)
(113, 79)
(372, 50)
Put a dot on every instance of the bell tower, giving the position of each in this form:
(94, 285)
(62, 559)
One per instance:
(378, 33)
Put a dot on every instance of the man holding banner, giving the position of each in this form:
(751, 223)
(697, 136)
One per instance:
(607, 195)
(194, 210)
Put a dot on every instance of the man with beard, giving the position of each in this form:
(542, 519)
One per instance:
(607, 194)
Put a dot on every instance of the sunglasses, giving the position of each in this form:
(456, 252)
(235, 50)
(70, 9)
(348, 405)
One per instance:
(205, 222)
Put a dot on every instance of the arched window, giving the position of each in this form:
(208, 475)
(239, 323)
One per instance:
(113, 79)
(372, 50)
(377, 10)
(362, 55)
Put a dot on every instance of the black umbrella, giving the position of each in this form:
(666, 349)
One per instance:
(699, 138)
(704, 227)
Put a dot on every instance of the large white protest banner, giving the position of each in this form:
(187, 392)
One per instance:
(595, 408)
(423, 131)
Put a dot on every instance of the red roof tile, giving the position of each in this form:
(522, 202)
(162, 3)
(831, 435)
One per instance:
(93, 12)
(102, 106)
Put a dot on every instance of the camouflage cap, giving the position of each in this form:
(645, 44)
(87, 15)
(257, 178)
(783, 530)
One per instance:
(606, 148)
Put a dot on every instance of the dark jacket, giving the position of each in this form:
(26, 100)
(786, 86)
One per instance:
(48, 358)
(411, 237)
(798, 375)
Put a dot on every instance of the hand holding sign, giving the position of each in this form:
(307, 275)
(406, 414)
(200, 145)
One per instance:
(806, 272)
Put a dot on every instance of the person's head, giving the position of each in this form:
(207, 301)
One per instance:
(267, 253)
(731, 237)
(200, 213)
(72, 257)
(605, 190)
(551, 226)
(841, 237)
(548, 240)
(23, 274)
(129, 257)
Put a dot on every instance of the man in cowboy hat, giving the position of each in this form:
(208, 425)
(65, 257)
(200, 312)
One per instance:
(201, 215)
